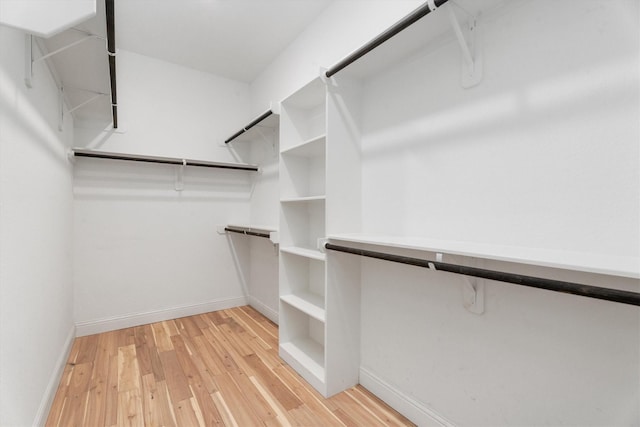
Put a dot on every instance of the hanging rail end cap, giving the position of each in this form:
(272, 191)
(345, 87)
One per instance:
(322, 243)
(324, 74)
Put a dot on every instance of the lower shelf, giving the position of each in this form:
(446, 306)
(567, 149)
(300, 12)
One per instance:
(306, 356)
(307, 302)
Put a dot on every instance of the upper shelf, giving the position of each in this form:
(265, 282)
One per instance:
(45, 18)
(623, 266)
(267, 120)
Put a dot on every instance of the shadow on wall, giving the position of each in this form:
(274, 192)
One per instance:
(121, 180)
(24, 123)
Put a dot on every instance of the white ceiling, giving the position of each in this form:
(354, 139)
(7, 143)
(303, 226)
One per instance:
(236, 39)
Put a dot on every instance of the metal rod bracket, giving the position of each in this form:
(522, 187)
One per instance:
(28, 61)
(179, 183)
(473, 295)
(468, 38)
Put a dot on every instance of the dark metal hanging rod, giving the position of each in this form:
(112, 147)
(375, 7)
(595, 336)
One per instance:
(249, 126)
(405, 22)
(247, 231)
(111, 51)
(608, 294)
(164, 160)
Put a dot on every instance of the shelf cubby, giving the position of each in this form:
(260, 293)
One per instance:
(304, 115)
(302, 222)
(302, 283)
(302, 344)
(302, 170)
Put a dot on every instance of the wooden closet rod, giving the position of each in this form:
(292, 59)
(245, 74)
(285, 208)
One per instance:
(77, 152)
(247, 231)
(608, 294)
(111, 51)
(249, 126)
(407, 21)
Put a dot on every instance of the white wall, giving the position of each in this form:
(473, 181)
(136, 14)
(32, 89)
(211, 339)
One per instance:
(36, 297)
(543, 153)
(144, 251)
(262, 286)
(343, 27)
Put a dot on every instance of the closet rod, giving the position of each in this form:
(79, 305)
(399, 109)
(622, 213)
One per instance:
(111, 51)
(164, 160)
(407, 21)
(247, 231)
(615, 295)
(249, 126)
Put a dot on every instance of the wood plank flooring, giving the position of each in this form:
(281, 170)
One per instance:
(220, 368)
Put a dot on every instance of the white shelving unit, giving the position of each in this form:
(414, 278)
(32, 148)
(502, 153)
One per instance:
(319, 194)
(303, 222)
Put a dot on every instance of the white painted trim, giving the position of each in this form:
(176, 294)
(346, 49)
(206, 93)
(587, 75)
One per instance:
(54, 380)
(267, 311)
(118, 322)
(415, 411)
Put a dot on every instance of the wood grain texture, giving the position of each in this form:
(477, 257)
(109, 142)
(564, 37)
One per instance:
(213, 369)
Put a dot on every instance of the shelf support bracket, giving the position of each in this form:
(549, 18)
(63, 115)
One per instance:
(29, 59)
(473, 291)
(473, 294)
(271, 142)
(179, 184)
(61, 109)
(96, 95)
(468, 40)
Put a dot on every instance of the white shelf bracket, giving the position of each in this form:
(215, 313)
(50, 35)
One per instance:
(93, 98)
(96, 95)
(61, 109)
(473, 291)
(270, 141)
(473, 295)
(179, 183)
(468, 40)
(29, 59)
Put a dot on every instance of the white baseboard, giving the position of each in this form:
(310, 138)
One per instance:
(54, 380)
(264, 309)
(127, 321)
(415, 411)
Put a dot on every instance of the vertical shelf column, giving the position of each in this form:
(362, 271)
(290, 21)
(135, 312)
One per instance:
(302, 222)
(320, 194)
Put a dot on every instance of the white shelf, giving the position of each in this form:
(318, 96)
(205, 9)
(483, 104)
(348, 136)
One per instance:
(577, 261)
(307, 302)
(305, 353)
(310, 148)
(303, 199)
(304, 252)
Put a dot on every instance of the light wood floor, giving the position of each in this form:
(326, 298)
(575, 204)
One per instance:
(219, 368)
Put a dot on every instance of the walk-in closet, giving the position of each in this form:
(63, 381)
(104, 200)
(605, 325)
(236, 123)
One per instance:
(320, 213)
